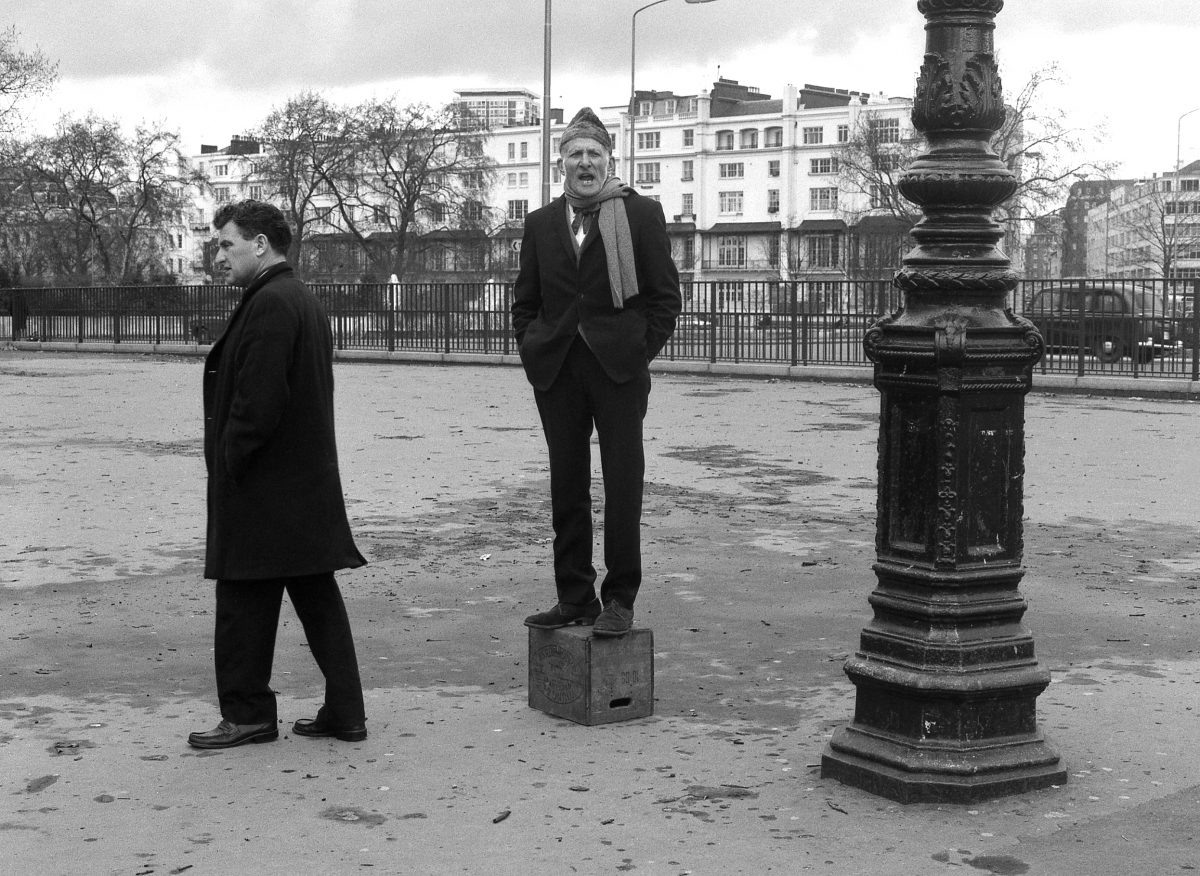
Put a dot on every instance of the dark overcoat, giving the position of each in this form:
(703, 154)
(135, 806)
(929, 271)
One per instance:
(275, 505)
(557, 292)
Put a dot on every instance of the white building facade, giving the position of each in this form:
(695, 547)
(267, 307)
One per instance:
(750, 185)
(1147, 228)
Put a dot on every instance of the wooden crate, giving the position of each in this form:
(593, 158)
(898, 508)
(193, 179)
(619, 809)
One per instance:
(591, 679)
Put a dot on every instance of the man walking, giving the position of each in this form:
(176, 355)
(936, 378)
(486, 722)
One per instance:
(276, 515)
(595, 301)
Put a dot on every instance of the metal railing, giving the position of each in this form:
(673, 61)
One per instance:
(789, 322)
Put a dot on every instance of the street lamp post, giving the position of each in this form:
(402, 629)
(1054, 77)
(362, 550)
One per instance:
(546, 109)
(1175, 220)
(633, 76)
(945, 674)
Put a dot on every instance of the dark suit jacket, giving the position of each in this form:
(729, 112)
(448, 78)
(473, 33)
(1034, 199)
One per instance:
(556, 294)
(275, 506)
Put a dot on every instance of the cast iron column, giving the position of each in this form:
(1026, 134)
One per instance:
(946, 679)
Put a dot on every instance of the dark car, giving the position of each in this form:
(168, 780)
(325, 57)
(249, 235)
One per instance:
(1109, 320)
(205, 331)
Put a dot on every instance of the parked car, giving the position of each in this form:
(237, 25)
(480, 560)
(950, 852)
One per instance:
(693, 321)
(1110, 320)
(205, 331)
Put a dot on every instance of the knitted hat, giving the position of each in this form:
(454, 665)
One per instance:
(585, 124)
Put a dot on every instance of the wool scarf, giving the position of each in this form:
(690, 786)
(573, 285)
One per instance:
(609, 205)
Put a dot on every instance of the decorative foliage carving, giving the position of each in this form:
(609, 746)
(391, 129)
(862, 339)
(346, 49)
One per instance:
(934, 8)
(983, 280)
(961, 93)
(945, 538)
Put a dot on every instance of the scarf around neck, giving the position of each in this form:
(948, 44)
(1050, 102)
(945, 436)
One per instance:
(609, 206)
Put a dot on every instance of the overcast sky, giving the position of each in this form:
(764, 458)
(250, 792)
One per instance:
(217, 68)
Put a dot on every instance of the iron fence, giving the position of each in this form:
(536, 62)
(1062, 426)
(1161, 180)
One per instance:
(1091, 326)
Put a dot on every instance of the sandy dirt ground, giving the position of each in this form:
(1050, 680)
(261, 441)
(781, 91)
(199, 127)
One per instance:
(759, 539)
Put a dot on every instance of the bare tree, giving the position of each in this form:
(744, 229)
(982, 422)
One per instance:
(1041, 149)
(416, 169)
(22, 74)
(1035, 142)
(95, 204)
(305, 146)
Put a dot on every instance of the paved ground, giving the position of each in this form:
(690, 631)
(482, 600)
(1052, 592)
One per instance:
(759, 536)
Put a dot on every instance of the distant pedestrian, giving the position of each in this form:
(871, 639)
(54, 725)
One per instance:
(596, 299)
(276, 514)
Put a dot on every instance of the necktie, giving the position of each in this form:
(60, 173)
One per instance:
(582, 220)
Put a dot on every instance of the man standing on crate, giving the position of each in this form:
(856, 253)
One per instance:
(276, 515)
(595, 301)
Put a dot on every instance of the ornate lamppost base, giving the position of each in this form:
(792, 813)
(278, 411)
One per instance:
(941, 771)
(946, 678)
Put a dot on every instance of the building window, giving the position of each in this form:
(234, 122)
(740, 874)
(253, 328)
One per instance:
(473, 211)
(1189, 185)
(843, 133)
(669, 106)
(823, 198)
(749, 138)
(518, 210)
(885, 130)
(649, 172)
(379, 214)
(772, 200)
(645, 107)
(221, 170)
(256, 193)
(813, 136)
(733, 170)
(730, 202)
(731, 296)
(731, 251)
(512, 151)
(822, 165)
(724, 140)
(772, 168)
(686, 207)
(523, 179)
(555, 173)
(649, 140)
(687, 170)
(882, 196)
(688, 252)
(512, 180)
(513, 256)
(822, 251)
(773, 250)
(689, 138)
(437, 213)
(524, 149)
(221, 194)
(773, 137)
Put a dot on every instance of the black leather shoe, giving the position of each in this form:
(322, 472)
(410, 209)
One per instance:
(227, 735)
(563, 614)
(615, 620)
(317, 727)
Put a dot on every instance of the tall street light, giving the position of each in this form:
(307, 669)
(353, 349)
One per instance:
(1178, 141)
(546, 110)
(633, 75)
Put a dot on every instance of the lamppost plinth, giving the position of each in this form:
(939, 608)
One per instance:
(946, 678)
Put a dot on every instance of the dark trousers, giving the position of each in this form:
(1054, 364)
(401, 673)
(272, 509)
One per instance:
(582, 396)
(247, 621)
